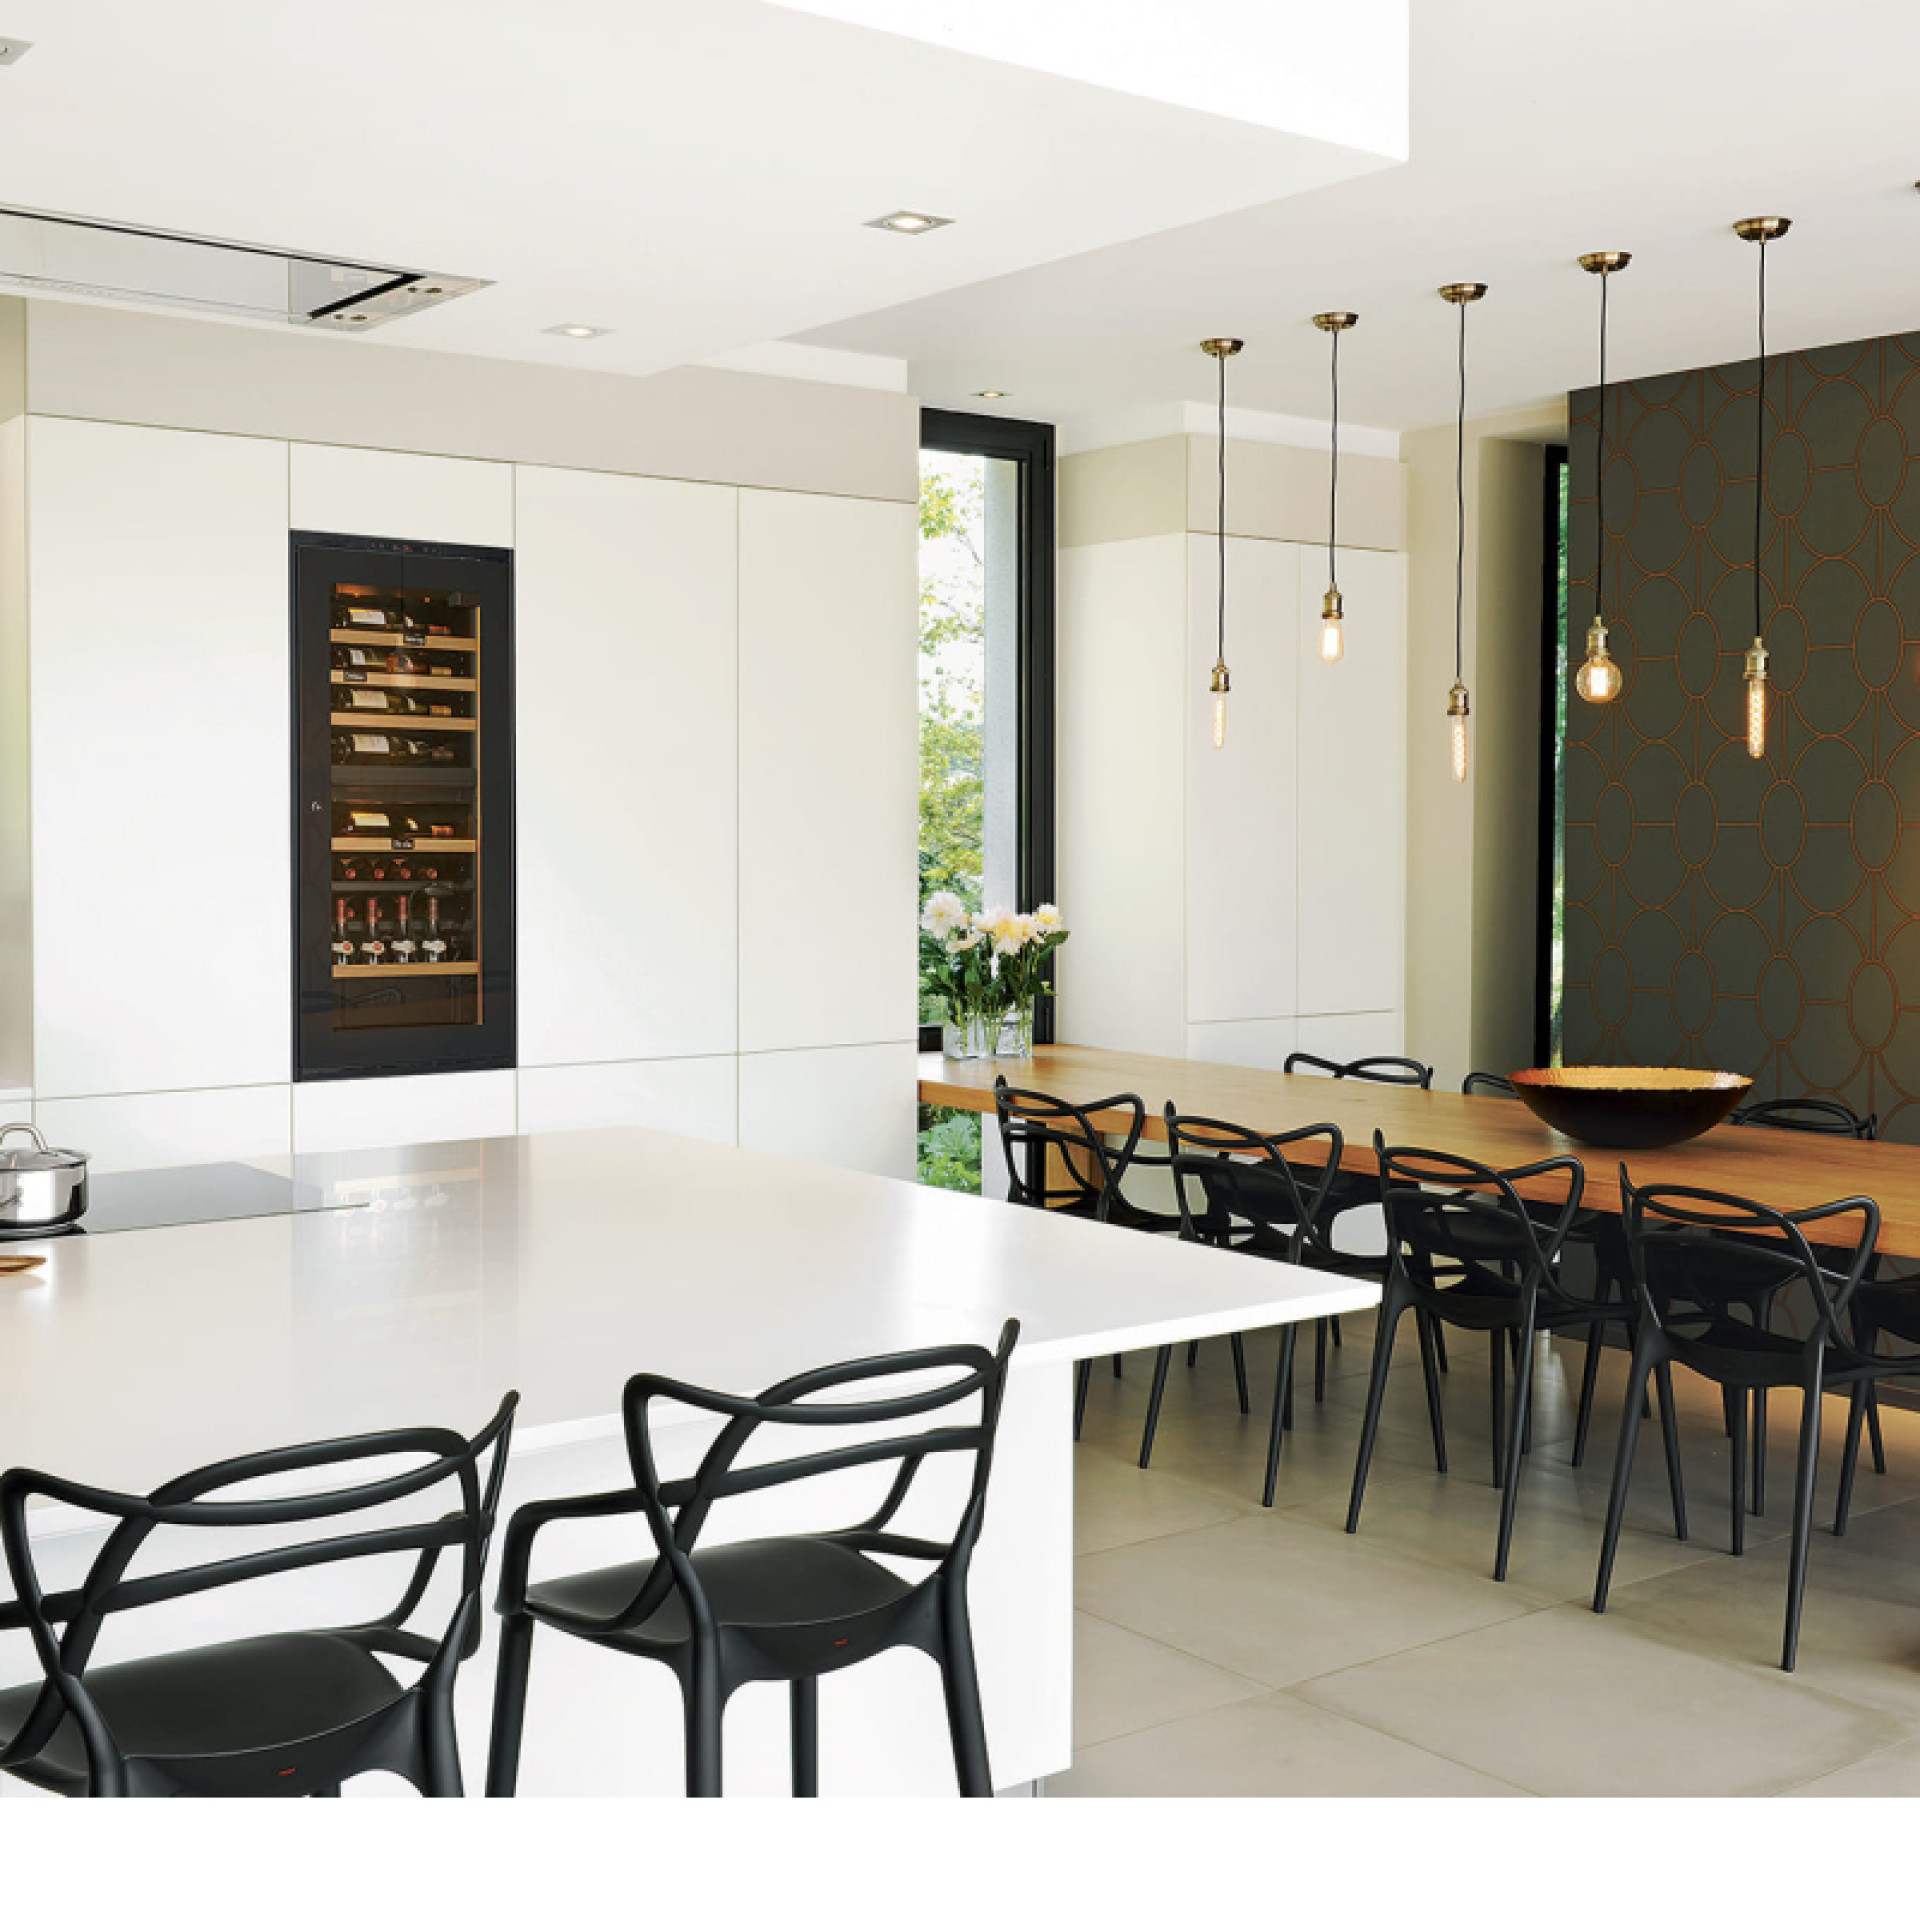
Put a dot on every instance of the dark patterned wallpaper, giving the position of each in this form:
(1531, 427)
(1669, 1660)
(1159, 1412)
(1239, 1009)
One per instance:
(1761, 916)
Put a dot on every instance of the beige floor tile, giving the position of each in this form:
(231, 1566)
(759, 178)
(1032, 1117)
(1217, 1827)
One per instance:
(1891, 1774)
(1270, 1746)
(1566, 1702)
(1123, 1683)
(1280, 1603)
(1115, 1504)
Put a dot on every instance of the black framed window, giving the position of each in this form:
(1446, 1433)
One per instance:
(986, 665)
(1555, 685)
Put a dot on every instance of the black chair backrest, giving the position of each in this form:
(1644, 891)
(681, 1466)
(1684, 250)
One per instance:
(1238, 1189)
(677, 1510)
(1495, 1084)
(1700, 1257)
(65, 1627)
(1451, 1214)
(1056, 1153)
(1389, 1069)
(1809, 1115)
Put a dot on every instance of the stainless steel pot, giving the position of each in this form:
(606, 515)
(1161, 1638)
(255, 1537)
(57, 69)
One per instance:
(42, 1188)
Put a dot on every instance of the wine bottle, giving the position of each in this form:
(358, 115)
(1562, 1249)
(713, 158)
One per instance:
(373, 948)
(351, 820)
(346, 869)
(403, 947)
(342, 946)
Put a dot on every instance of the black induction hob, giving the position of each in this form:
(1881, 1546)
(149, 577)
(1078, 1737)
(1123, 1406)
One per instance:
(184, 1197)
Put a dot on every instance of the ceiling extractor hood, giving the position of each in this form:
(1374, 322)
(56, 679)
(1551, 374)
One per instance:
(62, 253)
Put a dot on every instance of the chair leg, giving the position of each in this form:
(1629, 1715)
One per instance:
(1082, 1380)
(442, 1744)
(961, 1682)
(1873, 1429)
(805, 1714)
(1726, 1409)
(1670, 1435)
(1760, 1450)
(1390, 1312)
(1119, 1373)
(1282, 1394)
(1440, 1344)
(1497, 1345)
(1334, 1322)
(1737, 1459)
(1319, 1361)
(1516, 1437)
(1622, 1478)
(326, 1793)
(704, 1710)
(509, 1706)
(1589, 1380)
(1239, 1346)
(1161, 1362)
(1426, 1326)
(1193, 1352)
(1803, 1479)
(1850, 1453)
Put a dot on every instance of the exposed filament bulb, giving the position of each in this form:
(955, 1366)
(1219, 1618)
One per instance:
(1756, 679)
(1219, 684)
(1333, 641)
(1457, 710)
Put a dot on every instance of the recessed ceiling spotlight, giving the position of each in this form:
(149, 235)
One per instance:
(11, 50)
(910, 222)
(989, 393)
(573, 330)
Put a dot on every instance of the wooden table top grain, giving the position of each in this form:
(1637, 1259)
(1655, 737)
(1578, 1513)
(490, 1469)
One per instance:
(1786, 1170)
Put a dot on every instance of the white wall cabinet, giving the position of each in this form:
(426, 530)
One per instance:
(828, 771)
(158, 609)
(130, 1131)
(402, 1110)
(842, 1106)
(627, 818)
(696, 1097)
(400, 496)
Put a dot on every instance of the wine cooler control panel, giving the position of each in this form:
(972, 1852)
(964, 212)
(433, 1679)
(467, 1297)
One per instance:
(404, 821)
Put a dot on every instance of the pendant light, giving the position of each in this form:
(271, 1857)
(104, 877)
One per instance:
(1599, 677)
(1769, 227)
(1462, 294)
(1333, 641)
(1218, 683)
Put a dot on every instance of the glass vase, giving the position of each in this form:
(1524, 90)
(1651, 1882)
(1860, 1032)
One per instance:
(973, 1035)
(1015, 1038)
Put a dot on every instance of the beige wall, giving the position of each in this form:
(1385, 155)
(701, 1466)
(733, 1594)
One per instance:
(1472, 849)
(13, 358)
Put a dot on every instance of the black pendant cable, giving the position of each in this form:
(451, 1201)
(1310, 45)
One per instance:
(1599, 677)
(1218, 684)
(1462, 293)
(1333, 642)
(1770, 227)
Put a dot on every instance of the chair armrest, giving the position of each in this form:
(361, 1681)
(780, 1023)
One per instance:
(516, 1548)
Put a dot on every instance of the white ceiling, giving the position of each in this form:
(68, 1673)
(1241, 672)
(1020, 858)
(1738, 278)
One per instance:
(1540, 131)
(692, 174)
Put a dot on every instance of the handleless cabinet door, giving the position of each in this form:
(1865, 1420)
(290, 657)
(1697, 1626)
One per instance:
(829, 730)
(626, 811)
(161, 766)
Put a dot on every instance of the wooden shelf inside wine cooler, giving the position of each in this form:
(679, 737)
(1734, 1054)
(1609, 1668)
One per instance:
(383, 843)
(420, 643)
(367, 677)
(372, 720)
(419, 969)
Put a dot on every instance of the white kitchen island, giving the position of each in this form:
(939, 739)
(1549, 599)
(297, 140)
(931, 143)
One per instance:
(561, 1264)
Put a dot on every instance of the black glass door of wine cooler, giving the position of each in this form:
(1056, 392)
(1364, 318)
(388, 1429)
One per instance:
(403, 824)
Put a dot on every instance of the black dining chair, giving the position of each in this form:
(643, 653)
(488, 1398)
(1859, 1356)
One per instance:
(279, 1715)
(1239, 1189)
(1805, 1113)
(787, 1609)
(1471, 1253)
(1591, 1228)
(1061, 1157)
(1700, 1260)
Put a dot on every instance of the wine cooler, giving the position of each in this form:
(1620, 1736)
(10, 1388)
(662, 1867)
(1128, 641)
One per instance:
(403, 834)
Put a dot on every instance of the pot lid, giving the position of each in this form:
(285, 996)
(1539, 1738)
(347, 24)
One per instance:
(39, 1158)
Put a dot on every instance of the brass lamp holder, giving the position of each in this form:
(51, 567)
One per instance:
(1755, 669)
(1331, 605)
(1457, 708)
(1218, 681)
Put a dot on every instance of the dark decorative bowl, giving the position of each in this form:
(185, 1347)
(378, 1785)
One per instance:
(1629, 1106)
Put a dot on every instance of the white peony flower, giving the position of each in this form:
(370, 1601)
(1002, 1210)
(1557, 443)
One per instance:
(964, 942)
(944, 912)
(1049, 919)
(1009, 932)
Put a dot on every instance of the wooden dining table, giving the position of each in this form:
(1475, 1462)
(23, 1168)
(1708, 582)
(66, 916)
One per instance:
(1780, 1169)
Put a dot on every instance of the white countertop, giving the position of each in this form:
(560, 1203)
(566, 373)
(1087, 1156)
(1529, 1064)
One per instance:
(560, 1264)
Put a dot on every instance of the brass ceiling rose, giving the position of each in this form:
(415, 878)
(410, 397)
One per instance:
(1769, 226)
(1463, 292)
(1611, 261)
(1222, 349)
(1335, 322)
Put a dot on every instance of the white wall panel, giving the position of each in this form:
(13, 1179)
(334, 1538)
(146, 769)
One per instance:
(1350, 1036)
(1120, 792)
(1242, 1043)
(16, 766)
(842, 1106)
(158, 582)
(402, 1110)
(828, 769)
(15, 1110)
(1240, 799)
(695, 1097)
(401, 496)
(130, 1131)
(1352, 773)
(626, 804)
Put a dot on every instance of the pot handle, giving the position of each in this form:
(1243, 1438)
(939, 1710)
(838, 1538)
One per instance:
(25, 1126)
